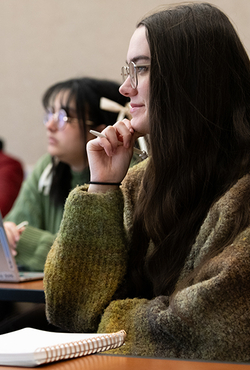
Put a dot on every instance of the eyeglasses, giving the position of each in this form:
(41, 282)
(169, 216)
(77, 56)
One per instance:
(132, 71)
(60, 118)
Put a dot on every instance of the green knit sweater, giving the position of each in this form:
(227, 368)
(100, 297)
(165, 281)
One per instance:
(209, 319)
(33, 204)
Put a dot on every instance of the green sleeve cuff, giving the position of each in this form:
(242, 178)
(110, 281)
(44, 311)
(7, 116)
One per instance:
(33, 247)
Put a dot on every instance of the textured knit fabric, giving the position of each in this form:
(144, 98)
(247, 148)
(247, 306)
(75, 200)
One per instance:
(33, 205)
(209, 319)
(11, 178)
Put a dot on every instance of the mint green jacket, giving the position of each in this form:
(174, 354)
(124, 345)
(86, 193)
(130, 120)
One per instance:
(33, 205)
(209, 318)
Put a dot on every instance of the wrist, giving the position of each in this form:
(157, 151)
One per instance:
(97, 187)
(104, 183)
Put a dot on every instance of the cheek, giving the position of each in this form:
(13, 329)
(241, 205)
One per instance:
(78, 142)
(72, 137)
(144, 92)
(147, 93)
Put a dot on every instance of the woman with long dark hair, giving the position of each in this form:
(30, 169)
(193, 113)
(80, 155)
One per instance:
(168, 257)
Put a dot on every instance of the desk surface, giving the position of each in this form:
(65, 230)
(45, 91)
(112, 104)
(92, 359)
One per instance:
(33, 292)
(109, 362)
(29, 291)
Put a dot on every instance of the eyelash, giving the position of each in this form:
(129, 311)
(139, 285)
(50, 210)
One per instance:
(66, 110)
(142, 69)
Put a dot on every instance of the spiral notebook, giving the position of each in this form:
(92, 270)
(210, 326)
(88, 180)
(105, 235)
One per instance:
(32, 347)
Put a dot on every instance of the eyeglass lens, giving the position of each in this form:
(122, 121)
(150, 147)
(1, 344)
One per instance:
(133, 74)
(60, 118)
(130, 71)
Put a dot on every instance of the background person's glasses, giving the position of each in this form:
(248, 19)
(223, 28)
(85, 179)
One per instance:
(60, 118)
(132, 70)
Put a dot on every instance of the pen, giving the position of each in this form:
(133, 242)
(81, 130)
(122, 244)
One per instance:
(141, 153)
(24, 223)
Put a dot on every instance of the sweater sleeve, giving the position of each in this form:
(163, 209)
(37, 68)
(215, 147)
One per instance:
(33, 247)
(87, 261)
(35, 241)
(208, 319)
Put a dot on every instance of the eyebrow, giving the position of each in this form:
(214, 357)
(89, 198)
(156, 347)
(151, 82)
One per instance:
(139, 57)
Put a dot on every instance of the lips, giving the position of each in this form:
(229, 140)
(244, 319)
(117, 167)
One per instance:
(52, 141)
(135, 107)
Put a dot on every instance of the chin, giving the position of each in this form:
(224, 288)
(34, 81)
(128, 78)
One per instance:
(53, 153)
(140, 126)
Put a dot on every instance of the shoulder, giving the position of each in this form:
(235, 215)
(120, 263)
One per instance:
(227, 219)
(43, 173)
(40, 165)
(7, 160)
(135, 175)
(236, 198)
(43, 165)
(131, 187)
(43, 161)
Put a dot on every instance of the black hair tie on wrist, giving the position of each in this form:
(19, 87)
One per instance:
(104, 183)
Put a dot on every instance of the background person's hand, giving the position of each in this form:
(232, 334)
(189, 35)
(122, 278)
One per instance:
(13, 235)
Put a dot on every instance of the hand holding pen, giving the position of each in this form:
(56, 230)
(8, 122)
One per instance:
(141, 153)
(110, 155)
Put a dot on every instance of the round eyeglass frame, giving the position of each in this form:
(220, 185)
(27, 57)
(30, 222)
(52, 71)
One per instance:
(131, 70)
(60, 118)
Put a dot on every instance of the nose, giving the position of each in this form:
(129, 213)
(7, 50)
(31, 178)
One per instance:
(51, 124)
(126, 89)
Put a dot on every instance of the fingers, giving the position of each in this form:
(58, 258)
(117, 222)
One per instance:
(13, 251)
(100, 145)
(13, 235)
(109, 155)
(120, 134)
(124, 132)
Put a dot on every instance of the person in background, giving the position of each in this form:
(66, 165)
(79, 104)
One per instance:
(166, 255)
(72, 108)
(11, 178)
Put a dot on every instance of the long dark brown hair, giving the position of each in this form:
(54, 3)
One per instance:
(200, 135)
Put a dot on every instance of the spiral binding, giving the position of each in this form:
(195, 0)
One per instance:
(84, 347)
